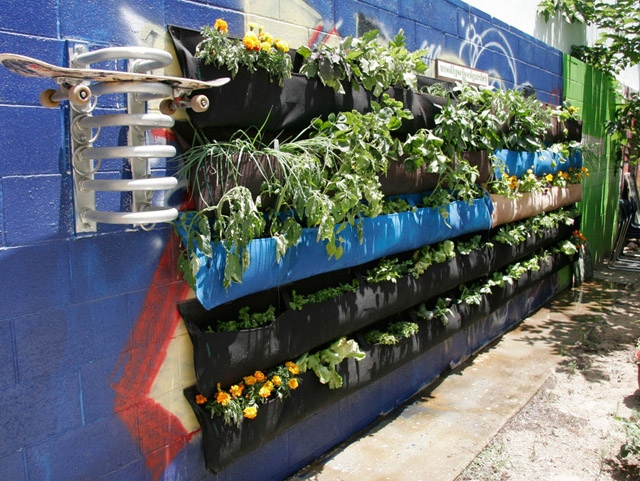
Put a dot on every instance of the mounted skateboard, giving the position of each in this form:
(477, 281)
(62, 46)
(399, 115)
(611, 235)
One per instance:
(73, 83)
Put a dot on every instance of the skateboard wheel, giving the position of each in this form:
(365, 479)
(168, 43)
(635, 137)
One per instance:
(80, 95)
(46, 100)
(199, 103)
(167, 107)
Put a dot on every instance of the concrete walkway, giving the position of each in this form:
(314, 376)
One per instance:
(436, 435)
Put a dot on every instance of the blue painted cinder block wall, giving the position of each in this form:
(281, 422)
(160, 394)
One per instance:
(88, 363)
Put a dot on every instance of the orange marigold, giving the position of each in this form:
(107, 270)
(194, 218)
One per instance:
(200, 399)
(259, 375)
(251, 41)
(265, 391)
(293, 383)
(250, 412)
(281, 45)
(277, 380)
(250, 380)
(221, 26)
(223, 398)
(236, 390)
(292, 367)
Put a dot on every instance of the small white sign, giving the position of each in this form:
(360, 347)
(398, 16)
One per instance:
(451, 71)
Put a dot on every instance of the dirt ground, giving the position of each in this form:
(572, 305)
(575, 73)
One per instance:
(569, 431)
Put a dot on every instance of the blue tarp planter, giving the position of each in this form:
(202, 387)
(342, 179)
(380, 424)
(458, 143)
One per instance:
(517, 163)
(382, 236)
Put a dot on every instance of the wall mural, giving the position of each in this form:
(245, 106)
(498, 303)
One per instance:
(148, 382)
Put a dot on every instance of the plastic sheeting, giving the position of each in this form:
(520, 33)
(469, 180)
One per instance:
(381, 236)
(542, 163)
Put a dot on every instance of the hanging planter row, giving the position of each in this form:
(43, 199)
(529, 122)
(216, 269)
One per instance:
(381, 236)
(541, 163)
(220, 356)
(223, 444)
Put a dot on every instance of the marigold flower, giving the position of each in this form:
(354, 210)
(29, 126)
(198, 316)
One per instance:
(266, 46)
(221, 26)
(564, 175)
(236, 390)
(293, 383)
(265, 391)
(277, 380)
(251, 41)
(259, 375)
(549, 177)
(250, 412)
(292, 367)
(250, 380)
(266, 37)
(200, 399)
(281, 45)
(223, 398)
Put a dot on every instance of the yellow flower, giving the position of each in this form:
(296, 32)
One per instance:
(573, 110)
(259, 376)
(250, 412)
(549, 177)
(293, 383)
(281, 45)
(221, 26)
(236, 390)
(251, 41)
(223, 398)
(266, 37)
(530, 171)
(200, 399)
(292, 367)
(277, 380)
(266, 46)
(265, 391)
(250, 380)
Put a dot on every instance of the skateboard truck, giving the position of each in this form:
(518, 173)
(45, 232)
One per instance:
(199, 103)
(78, 95)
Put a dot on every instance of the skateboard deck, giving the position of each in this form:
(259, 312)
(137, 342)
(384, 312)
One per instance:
(31, 67)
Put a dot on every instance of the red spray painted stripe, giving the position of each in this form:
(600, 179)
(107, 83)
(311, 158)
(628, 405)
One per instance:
(159, 433)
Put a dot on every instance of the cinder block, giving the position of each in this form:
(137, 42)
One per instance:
(98, 394)
(85, 453)
(327, 432)
(24, 153)
(37, 208)
(357, 18)
(35, 411)
(16, 89)
(195, 16)
(39, 278)
(193, 459)
(22, 18)
(136, 471)
(387, 5)
(118, 22)
(7, 368)
(113, 264)
(12, 467)
(428, 37)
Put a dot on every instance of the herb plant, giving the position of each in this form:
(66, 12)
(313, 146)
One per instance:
(246, 320)
(298, 301)
(393, 334)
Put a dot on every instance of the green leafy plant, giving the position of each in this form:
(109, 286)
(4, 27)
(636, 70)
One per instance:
(246, 320)
(258, 50)
(631, 428)
(364, 61)
(387, 270)
(298, 301)
(441, 310)
(467, 247)
(426, 256)
(396, 206)
(392, 334)
(324, 362)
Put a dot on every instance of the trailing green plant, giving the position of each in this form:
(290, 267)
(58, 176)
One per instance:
(364, 60)
(392, 334)
(246, 320)
(298, 301)
(258, 50)
(441, 310)
(324, 362)
(396, 206)
(328, 178)
(388, 270)
(467, 247)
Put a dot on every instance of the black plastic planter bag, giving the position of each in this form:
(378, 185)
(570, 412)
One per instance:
(251, 100)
